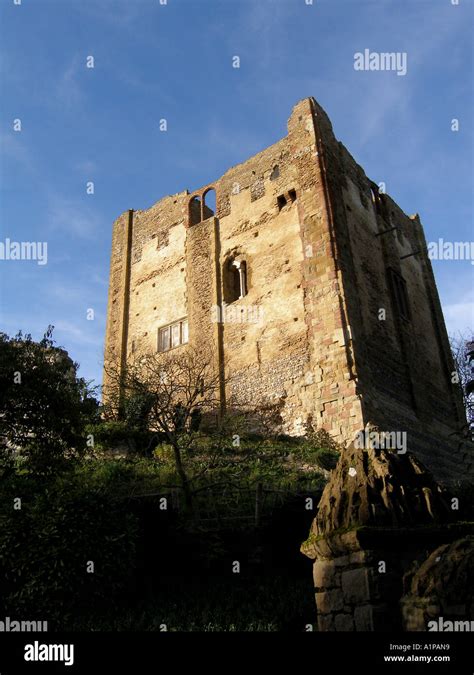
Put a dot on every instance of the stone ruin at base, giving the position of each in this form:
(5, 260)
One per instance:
(388, 553)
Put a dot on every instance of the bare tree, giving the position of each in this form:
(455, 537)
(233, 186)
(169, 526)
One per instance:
(171, 393)
(174, 390)
(462, 345)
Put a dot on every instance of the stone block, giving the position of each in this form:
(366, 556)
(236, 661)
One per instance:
(413, 615)
(355, 585)
(344, 622)
(359, 557)
(324, 574)
(342, 561)
(363, 618)
(329, 601)
(326, 623)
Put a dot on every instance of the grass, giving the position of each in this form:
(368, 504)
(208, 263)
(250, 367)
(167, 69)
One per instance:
(222, 604)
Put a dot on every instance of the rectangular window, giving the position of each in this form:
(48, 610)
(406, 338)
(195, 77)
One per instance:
(173, 335)
(398, 287)
(184, 331)
(164, 339)
(281, 201)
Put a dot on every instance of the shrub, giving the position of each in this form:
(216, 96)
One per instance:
(120, 435)
(45, 547)
(320, 449)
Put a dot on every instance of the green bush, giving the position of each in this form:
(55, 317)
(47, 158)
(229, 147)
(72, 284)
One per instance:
(118, 434)
(320, 449)
(46, 546)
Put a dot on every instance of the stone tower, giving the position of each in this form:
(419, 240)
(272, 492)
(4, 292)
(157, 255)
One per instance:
(315, 289)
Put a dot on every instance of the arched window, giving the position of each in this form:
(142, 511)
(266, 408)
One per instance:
(235, 280)
(209, 203)
(194, 211)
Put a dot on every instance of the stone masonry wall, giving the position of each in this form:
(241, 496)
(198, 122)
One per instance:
(351, 595)
(403, 368)
(302, 215)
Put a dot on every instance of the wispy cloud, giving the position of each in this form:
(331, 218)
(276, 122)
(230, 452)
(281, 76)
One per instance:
(14, 148)
(68, 89)
(76, 333)
(115, 13)
(86, 167)
(385, 98)
(72, 216)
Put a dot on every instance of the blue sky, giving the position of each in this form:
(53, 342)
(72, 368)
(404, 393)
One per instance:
(174, 61)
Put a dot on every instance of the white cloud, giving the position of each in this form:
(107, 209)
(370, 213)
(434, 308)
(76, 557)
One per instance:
(86, 166)
(78, 334)
(73, 217)
(13, 147)
(68, 91)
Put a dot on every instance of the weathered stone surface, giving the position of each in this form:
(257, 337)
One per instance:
(359, 557)
(355, 585)
(453, 563)
(344, 622)
(324, 574)
(336, 547)
(329, 601)
(363, 618)
(326, 622)
(341, 561)
(442, 586)
(413, 617)
(386, 489)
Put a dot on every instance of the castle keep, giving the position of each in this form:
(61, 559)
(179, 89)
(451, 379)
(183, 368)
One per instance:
(315, 289)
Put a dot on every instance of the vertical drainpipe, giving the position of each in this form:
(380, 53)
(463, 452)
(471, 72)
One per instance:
(126, 298)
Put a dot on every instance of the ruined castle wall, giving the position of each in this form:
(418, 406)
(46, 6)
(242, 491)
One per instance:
(332, 394)
(150, 291)
(299, 350)
(158, 272)
(403, 367)
(266, 355)
(116, 305)
(202, 287)
(302, 215)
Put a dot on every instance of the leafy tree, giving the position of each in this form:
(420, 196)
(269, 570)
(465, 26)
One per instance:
(44, 405)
